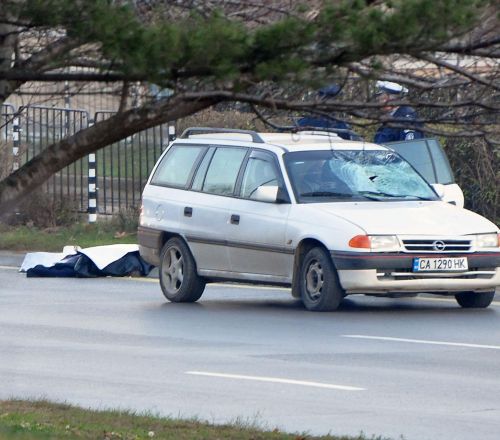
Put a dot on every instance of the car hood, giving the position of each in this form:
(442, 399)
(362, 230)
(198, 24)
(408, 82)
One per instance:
(409, 218)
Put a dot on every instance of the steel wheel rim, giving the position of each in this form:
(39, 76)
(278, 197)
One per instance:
(314, 280)
(173, 269)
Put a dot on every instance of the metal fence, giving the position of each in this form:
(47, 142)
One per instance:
(121, 169)
(6, 119)
(41, 127)
(7, 151)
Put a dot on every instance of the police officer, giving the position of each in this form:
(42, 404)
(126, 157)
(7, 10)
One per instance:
(386, 92)
(314, 121)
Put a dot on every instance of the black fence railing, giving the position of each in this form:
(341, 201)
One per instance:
(8, 149)
(7, 112)
(121, 168)
(41, 127)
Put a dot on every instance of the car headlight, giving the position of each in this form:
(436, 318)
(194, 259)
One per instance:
(487, 240)
(386, 243)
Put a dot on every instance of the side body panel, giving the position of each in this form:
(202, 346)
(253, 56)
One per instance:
(257, 243)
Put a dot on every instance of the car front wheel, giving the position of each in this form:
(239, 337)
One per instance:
(474, 300)
(319, 285)
(178, 278)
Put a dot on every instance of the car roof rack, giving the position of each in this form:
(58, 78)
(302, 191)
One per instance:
(204, 130)
(296, 129)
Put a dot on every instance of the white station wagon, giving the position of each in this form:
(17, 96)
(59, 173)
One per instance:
(309, 210)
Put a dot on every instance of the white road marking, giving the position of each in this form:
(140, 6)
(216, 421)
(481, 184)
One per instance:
(147, 280)
(9, 267)
(422, 341)
(276, 380)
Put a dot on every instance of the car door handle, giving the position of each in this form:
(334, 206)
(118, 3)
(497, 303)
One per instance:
(188, 211)
(235, 219)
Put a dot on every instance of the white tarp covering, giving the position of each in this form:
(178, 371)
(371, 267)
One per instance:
(112, 260)
(47, 259)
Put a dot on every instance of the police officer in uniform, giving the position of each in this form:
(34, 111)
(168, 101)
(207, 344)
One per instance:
(387, 91)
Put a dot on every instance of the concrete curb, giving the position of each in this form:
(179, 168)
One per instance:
(11, 258)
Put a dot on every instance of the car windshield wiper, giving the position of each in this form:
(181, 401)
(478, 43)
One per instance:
(375, 194)
(326, 194)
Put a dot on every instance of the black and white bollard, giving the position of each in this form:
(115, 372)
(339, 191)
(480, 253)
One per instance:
(92, 182)
(171, 134)
(92, 208)
(16, 138)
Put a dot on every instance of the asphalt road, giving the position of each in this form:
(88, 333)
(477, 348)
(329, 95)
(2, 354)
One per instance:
(421, 368)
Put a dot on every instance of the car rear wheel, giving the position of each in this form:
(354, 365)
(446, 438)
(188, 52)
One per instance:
(178, 278)
(475, 300)
(319, 285)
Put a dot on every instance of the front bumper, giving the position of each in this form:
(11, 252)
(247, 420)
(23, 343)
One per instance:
(392, 273)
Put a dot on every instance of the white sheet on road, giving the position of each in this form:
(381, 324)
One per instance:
(47, 259)
(100, 255)
(104, 255)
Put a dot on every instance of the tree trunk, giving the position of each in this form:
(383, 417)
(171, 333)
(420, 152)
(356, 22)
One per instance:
(60, 154)
(8, 42)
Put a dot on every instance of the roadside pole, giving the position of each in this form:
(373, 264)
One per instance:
(16, 138)
(92, 181)
(171, 133)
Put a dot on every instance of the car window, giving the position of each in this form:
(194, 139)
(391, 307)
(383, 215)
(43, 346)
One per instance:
(260, 171)
(199, 178)
(443, 168)
(223, 170)
(326, 176)
(177, 165)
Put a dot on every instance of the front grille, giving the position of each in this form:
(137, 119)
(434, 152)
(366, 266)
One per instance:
(436, 245)
(408, 274)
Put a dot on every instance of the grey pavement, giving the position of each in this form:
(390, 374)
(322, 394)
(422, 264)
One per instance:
(10, 258)
(422, 367)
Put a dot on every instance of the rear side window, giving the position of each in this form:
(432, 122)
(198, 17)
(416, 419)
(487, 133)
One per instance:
(177, 166)
(223, 171)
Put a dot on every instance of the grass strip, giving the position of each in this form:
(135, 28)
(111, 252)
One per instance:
(24, 238)
(36, 420)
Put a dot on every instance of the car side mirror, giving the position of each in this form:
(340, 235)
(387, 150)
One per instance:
(266, 194)
(439, 188)
(451, 193)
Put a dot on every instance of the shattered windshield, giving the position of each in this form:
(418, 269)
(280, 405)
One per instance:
(324, 176)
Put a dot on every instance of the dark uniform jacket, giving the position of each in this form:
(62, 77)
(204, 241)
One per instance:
(392, 134)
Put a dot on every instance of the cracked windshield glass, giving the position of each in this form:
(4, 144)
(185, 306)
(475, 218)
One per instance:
(324, 176)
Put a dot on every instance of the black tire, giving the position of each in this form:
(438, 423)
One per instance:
(319, 285)
(474, 300)
(179, 280)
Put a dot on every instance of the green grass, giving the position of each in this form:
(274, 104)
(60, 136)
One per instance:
(24, 238)
(37, 420)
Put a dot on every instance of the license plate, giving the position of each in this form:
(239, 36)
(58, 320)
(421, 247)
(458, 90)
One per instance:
(440, 264)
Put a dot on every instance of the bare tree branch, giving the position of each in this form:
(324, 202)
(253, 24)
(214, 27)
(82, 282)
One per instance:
(464, 72)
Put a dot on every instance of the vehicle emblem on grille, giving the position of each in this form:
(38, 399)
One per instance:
(438, 245)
